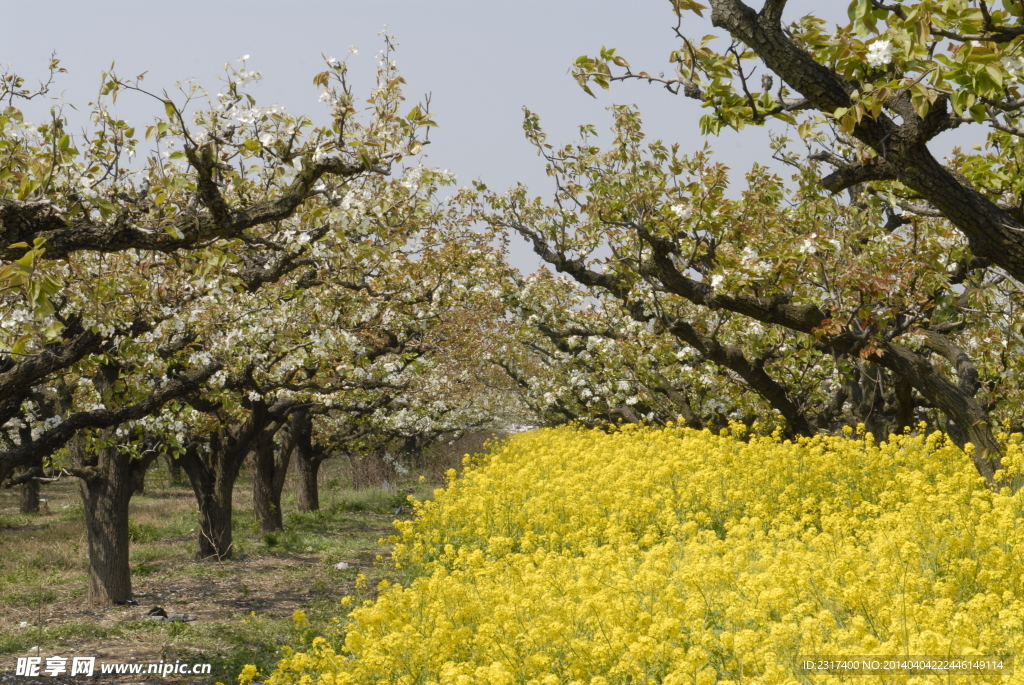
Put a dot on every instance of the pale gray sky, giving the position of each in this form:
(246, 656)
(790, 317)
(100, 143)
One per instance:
(482, 61)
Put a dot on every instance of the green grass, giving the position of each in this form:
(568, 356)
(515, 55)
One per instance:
(372, 499)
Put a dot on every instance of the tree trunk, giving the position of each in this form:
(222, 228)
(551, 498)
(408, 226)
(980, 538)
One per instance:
(140, 467)
(106, 521)
(108, 477)
(872, 407)
(106, 489)
(307, 491)
(28, 502)
(212, 477)
(307, 462)
(173, 468)
(269, 466)
(212, 470)
(680, 401)
(904, 409)
(411, 451)
(215, 539)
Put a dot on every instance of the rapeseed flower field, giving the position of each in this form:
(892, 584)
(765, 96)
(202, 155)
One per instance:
(643, 555)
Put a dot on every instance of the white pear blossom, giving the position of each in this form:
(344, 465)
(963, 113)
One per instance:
(880, 53)
(1014, 66)
(682, 211)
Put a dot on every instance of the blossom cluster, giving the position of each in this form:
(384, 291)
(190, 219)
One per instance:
(641, 555)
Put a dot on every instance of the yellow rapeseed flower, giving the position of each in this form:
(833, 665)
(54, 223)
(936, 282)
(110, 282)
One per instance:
(642, 555)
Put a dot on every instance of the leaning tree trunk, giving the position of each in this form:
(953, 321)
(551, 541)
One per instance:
(269, 467)
(956, 401)
(307, 462)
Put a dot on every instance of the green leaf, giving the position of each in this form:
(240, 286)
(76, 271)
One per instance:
(959, 101)
(19, 346)
(996, 73)
(53, 330)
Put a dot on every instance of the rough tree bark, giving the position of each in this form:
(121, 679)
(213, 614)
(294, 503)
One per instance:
(307, 461)
(269, 466)
(28, 500)
(106, 480)
(307, 490)
(212, 470)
